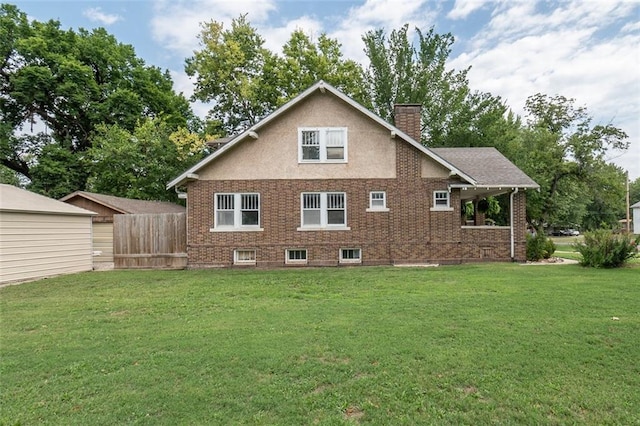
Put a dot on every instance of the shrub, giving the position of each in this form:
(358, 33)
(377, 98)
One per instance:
(539, 246)
(604, 249)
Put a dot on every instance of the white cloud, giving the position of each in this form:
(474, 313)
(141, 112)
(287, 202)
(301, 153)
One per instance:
(580, 50)
(95, 14)
(276, 37)
(463, 8)
(374, 14)
(176, 24)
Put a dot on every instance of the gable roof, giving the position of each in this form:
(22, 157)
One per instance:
(127, 205)
(14, 199)
(487, 166)
(467, 163)
(322, 87)
(636, 205)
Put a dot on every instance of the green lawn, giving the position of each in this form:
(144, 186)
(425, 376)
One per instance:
(473, 344)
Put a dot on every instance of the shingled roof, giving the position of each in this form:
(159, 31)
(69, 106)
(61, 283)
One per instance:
(128, 205)
(487, 166)
(13, 199)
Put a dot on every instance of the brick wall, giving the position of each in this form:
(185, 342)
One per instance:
(408, 233)
(407, 118)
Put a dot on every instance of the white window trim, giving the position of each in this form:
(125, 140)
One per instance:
(323, 145)
(437, 208)
(295, 261)
(373, 208)
(236, 261)
(237, 214)
(358, 260)
(324, 225)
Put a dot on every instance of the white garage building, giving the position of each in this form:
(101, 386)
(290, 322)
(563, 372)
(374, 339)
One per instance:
(41, 237)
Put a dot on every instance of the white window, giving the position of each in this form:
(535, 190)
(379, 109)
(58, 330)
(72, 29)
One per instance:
(322, 145)
(350, 255)
(244, 257)
(377, 201)
(237, 212)
(441, 201)
(294, 256)
(323, 210)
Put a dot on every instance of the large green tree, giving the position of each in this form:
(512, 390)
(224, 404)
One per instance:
(401, 71)
(70, 82)
(304, 62)
(139, 163)
(565, 154)
(235, 72)
(245, 81)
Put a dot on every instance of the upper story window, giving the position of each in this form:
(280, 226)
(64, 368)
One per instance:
(441, 200)
(322, 144)
(377, 201)
(323, 210)
(236, 212)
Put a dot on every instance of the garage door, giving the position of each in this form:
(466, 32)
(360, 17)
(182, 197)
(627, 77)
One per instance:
(103, 242)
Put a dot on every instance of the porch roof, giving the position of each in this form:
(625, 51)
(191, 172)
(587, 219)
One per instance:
(492, 172)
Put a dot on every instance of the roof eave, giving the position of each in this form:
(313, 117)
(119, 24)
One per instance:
(496, 186)
(95, 200)
(60, 213)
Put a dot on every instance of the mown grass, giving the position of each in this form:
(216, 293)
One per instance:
(473, 344)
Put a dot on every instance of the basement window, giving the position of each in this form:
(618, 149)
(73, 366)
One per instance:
(350, 255)
(296, 256)
(244, 257)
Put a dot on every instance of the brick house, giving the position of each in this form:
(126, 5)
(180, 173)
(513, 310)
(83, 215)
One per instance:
(324, 181)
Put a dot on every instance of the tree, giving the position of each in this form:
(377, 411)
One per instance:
(71, 82)
(8, 176)
(401, 72)
(245, 81)
(138, 164)
(608, 198)
(564, 154)
(305, 62)
(235, 72)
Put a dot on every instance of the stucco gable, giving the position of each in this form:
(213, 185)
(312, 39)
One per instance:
(255, 133)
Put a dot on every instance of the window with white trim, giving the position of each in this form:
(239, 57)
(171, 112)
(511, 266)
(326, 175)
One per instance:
(236, 211)
(350, 255)
(322, 145)
(377, 201)
(441, 200)
(244, 257)
(323, 210)
(296, 256)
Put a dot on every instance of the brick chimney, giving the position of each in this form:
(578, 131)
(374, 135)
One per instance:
(407, 119)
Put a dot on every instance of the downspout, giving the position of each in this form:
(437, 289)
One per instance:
(513, 242)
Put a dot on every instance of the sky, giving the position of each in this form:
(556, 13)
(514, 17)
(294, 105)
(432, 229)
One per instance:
(587, 50)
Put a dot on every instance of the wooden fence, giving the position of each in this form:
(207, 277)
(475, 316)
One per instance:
(150, 241)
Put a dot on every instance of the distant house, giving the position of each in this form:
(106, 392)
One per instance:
(636, 218)
(108, 205)
(324, 181)
(41, 237)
